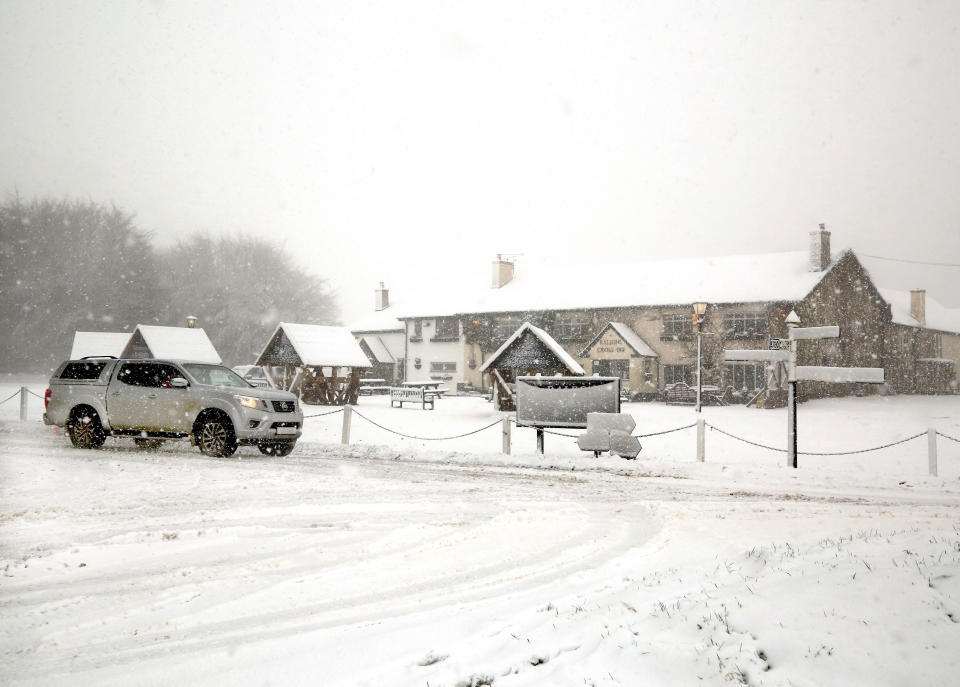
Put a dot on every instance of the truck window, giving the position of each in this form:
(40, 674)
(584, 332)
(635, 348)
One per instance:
(86, 370)
(157, 375)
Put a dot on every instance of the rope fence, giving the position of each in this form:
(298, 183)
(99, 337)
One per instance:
(945, 436)
(817, 453)
(10, 397)
(410, 436)
(331, 412)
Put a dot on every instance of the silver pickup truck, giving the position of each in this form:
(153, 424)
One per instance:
(156, 400)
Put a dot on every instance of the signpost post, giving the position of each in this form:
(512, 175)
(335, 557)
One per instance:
(785, 350)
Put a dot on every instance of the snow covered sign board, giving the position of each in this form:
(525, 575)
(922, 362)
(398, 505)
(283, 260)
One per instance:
(179, 343)
(565, 401)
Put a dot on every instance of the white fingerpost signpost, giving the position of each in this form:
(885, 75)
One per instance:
(785, 351)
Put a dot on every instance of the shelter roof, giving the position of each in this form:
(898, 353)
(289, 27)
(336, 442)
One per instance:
(378, 348)
(320, 345)
(630, 337)
(98, 343)
(937, 316)
(182, 343)
(548, 341)
(377, 321)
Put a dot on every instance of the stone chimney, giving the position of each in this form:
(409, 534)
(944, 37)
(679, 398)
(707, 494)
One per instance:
(918, 305)
(502, 272)
(819, 249)
(382, 301)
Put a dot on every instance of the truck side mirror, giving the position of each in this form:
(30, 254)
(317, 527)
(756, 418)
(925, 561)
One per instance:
(179, 383)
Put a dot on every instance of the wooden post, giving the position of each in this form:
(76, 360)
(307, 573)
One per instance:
(701, 440)
(506, 436)
(540, 440)
(345, 430)
(23, 404)
(932, 450)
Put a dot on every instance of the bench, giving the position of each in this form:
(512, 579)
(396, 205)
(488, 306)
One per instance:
(370, 390)
(401, 395)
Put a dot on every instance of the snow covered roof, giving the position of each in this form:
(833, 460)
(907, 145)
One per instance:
(551, 286)
(98, 343)
(183, 343)
(378, 321)
(546, 339)
(937, 316)
(630, 337)
(321, 345)
(378, 348)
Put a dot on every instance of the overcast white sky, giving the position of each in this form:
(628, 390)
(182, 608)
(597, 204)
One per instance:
(366, 136)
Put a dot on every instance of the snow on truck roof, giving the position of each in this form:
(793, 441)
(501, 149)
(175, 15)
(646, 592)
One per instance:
(318, 345)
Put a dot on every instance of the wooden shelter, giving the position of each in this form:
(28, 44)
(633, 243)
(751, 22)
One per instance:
(88, 344)
(528, 351)
(321, 364)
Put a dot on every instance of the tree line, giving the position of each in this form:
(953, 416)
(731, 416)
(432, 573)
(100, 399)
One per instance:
(69, 265)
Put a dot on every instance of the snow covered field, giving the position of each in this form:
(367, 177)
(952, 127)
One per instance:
(396, 561)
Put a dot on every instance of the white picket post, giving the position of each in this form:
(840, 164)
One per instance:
(932, 450)
(506, 436)
(701, 440)
(345, 430)
(23, 404)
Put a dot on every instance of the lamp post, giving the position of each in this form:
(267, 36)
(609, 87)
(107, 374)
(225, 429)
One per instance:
(191, 321)
(699, 309)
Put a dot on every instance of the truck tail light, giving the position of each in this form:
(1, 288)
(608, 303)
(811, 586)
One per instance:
(46, 398)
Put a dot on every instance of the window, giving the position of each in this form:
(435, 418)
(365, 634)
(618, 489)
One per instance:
(744, 325)
(647, 366)
(82, 371)
(673, 374)
(505, 327)
(612, 368)
(572, 327)
(417, 334)
(155, 375)
(215, 375)
(749, 377)
(448, 329)
(677, 327)
(443, 367)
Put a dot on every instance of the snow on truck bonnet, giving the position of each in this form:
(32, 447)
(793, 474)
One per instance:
(183, 343)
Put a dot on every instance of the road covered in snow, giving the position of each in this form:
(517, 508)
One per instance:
(391, 562)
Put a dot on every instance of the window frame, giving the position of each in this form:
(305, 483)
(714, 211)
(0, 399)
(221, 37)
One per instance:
(677, 327)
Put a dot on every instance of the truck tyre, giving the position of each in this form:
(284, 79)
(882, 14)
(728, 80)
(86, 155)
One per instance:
(280, 449)
(215, 436)
(85, 428)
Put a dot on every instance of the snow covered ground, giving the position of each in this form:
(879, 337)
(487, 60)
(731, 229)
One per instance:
(398, 561)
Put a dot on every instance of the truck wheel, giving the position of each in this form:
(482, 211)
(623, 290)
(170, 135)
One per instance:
(215, 437)
(280, 450)
(148, 444)
(85, 428)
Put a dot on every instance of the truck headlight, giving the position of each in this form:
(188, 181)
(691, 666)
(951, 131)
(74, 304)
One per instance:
(250, 402)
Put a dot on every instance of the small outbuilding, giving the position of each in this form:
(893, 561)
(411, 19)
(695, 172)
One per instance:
(89, 344)
(321, 364)
(183, 343)
(528, 351)
(618, 351)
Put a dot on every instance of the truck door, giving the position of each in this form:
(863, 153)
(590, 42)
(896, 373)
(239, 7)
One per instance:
(141, 397)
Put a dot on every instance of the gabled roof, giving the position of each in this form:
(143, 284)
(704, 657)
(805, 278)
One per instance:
(548, 341)
(98, 343)
(765, 277)
(378, 321)
(937, 316)
(181, 343)
(318, 345)
(630, 337)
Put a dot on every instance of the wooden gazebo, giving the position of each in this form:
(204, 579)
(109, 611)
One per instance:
(528, 351)
(321, 364)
